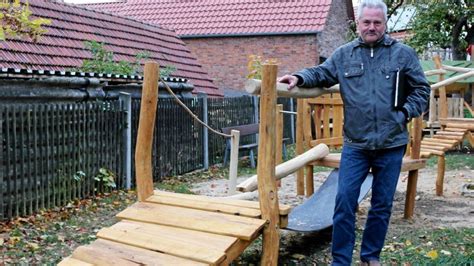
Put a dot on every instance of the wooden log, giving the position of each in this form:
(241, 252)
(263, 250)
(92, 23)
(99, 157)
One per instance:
(440, 144)
(73, 262)
(457, 69)
(266, 167)
(447, 141)
(462, 125)
(452, 80)
(440, 176)
(450, 133)
(234, 160)
(146, 125)
(288, 167)
(435, 72)
(455, 129)
(253, 86)
(457, 138)
(433, 151)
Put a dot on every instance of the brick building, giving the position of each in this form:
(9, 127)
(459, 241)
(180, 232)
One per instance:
(223, 33)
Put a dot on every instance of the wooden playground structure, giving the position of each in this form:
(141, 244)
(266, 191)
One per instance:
(165, 228)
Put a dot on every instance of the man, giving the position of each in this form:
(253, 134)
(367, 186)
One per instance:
(375, 132)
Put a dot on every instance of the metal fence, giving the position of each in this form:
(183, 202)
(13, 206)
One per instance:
(52, 153)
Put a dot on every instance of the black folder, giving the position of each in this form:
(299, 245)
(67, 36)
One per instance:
(401, 90)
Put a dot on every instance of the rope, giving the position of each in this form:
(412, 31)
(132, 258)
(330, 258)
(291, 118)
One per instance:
(191, 112)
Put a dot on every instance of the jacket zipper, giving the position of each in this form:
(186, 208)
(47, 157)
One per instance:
(371, 52)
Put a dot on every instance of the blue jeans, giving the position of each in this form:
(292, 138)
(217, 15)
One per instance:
(354, 167)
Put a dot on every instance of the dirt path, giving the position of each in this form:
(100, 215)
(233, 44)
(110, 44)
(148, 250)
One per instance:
(452, 210)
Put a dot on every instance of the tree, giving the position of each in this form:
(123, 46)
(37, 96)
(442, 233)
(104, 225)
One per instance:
(444, 24)
(16, 21)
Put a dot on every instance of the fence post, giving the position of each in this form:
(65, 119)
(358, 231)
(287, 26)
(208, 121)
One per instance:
(292, 120)
(255, 108)
(205, 132)
(126, 101)
(2, 170)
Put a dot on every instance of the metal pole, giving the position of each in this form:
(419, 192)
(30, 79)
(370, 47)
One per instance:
(126, 100)
(292, 120)
(205, 132)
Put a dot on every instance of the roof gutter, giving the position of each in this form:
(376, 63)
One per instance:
(192, 36)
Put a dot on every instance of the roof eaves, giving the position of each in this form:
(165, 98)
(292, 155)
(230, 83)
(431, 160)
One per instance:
(190, 36)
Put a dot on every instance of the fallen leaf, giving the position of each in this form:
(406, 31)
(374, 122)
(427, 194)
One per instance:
(298, 256)
(408, 243)
(445, 252)
(433, 254)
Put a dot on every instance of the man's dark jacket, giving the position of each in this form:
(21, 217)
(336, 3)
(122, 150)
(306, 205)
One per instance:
(367, 83)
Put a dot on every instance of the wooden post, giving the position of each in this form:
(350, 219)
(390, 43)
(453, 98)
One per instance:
(442, 101)
(413, 175)
(307, 136)
(146, 124)
(279, 137)
(300, 103)
(266, 167)
(234, 160)
(440, 176)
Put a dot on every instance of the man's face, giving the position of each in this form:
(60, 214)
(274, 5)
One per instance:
(371, 25)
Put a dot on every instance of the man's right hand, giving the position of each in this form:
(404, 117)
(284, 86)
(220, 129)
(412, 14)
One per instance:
(288, 79)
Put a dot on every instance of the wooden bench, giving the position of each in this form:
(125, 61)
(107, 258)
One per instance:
(323, 123)
(246, 130)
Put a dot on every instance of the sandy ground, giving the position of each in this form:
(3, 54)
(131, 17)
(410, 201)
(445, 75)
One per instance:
(453, 209)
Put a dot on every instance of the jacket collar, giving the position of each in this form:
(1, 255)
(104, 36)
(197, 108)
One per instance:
(386, 40)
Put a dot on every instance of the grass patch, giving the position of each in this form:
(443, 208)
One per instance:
(431, 247)
(454, 161)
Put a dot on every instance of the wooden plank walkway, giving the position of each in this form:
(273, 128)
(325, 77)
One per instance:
(176, 229)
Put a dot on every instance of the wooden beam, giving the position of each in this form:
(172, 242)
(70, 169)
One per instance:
(146, 125)
(267, 189)
(253, 86)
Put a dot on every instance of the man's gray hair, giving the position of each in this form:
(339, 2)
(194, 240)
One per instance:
(372, 4)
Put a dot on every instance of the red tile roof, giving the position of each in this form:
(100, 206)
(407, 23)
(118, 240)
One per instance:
(227, 17)
(62, 47)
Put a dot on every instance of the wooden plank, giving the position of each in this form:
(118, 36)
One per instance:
(68, 261)
(217, 223)
(188, 244)
(434, 147)
(146, 125)
(447, 141)
(336, 141)
(450, 133)
(235, 251)
(458, 138)
(435, 152)
(454, 129)
(105, 252)
(412, 164)
(333, 160)
(206, 206)
(284, 209)
(469, 126)
(424, 154)
(429, 143)
(267, 190)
